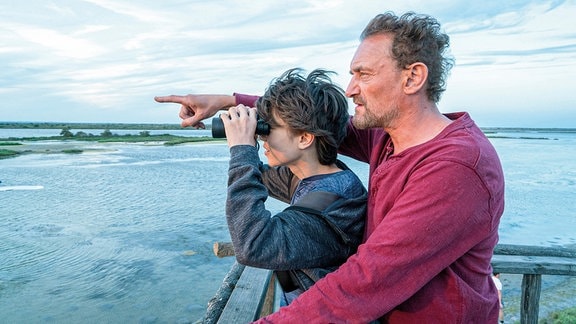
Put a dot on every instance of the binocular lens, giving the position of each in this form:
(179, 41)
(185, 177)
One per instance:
(218, 131)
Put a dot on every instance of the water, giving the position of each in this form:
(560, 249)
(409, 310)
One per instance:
(124, 232)
(540, 172)
(121, 235)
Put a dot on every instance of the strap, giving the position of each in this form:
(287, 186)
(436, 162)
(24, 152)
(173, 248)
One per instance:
(313, 203)
(317, 200)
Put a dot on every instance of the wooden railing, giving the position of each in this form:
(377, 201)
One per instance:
(533, 262)
(247, 293)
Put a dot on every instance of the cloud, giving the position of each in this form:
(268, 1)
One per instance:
(60, 44)
(131, 10)
(106, 59)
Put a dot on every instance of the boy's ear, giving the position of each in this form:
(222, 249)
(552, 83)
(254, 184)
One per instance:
(305, 140)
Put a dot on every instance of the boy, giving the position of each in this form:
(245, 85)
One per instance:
(325, 222)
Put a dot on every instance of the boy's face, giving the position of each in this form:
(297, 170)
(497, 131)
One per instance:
(281, 145)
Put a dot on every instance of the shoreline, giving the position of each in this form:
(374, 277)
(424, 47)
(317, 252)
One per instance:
(14, 147)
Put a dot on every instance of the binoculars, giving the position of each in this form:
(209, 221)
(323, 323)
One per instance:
(218, 131)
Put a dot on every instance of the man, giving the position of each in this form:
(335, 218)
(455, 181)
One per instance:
(436, 190)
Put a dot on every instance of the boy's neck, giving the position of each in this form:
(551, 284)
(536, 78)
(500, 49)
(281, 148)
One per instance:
(304, 171)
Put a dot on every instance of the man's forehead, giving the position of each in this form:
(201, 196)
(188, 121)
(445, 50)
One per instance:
(370, 51)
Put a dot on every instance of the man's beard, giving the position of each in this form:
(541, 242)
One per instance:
(371, 120)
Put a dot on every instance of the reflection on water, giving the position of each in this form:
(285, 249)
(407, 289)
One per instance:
(125, 233)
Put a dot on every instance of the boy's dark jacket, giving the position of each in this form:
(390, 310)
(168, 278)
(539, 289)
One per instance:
(309, 239)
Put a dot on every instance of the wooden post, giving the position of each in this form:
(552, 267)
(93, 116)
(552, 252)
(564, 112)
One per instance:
(531, 286)
(219, 301)
(245, 303)
(223, 249)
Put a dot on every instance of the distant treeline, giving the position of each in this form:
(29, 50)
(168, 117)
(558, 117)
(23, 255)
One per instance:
(60, 125)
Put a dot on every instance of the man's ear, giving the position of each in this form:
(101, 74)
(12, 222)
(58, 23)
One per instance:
(305, 140)
(415, 77)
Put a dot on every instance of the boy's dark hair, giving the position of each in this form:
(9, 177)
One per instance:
(416, 38)
(313, 104)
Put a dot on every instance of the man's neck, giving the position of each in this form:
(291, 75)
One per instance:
(416, 127)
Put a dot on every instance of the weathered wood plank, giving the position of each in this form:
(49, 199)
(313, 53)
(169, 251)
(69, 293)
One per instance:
(270, 299)
(531, 286)
(218, 302)
(542, 265)
(533, 262)
(223, 249)
(530, 250)
(246, 301)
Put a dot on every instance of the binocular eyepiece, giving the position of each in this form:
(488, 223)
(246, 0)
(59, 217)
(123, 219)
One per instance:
(218, 131)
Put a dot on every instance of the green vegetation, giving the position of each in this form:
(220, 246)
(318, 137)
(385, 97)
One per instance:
(7, 153)
(107, 137)
(73, 151)
(566, 316)
(66, 142)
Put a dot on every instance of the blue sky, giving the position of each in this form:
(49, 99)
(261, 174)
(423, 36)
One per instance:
(105, 60)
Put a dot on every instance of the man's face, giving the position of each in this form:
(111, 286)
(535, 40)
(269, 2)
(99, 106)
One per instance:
(376, 83)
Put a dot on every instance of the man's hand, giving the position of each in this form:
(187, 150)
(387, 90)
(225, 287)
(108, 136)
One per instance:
(195, 108)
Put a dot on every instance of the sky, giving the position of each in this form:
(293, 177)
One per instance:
(105, 60)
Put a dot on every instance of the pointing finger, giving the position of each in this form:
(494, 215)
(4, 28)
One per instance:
(171, 98)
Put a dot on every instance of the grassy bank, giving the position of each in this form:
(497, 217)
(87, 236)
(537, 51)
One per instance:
(567, 316)
(72, 143)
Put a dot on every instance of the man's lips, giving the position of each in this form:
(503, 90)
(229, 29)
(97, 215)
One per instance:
(358, 102)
